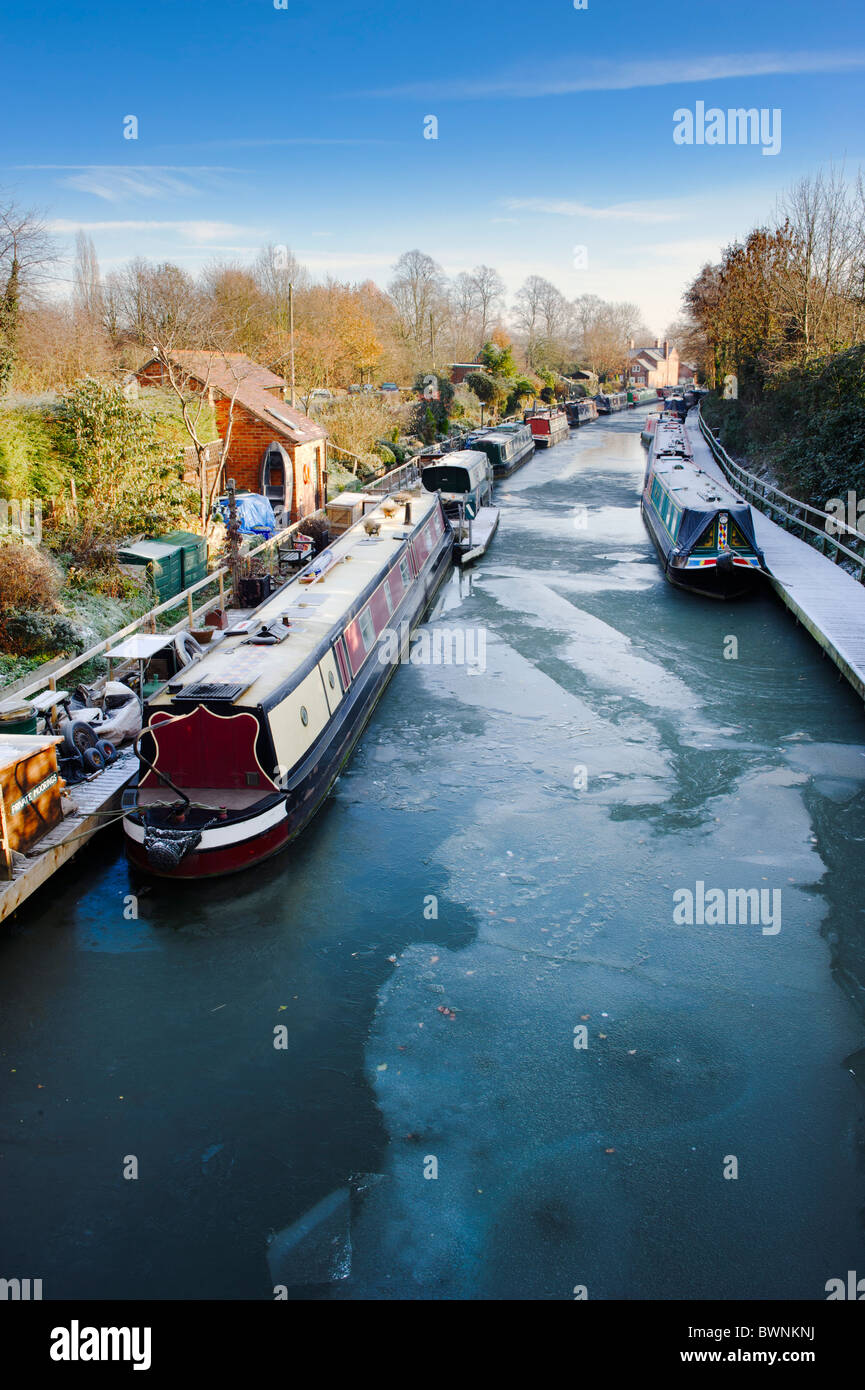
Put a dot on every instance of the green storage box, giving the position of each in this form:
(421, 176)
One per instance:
(193, 555)
(164, 564)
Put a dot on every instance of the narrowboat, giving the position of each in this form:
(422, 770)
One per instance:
(548, 425)
(640, 395)
(241, 748)
(610, 401)
(649, 426)
(579, 412)
(464, 481)
(703, 531)
(507, 447)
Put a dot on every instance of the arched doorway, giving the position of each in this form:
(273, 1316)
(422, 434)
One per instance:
(277, 481)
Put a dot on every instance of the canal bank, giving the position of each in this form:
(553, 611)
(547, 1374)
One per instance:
(512, 838)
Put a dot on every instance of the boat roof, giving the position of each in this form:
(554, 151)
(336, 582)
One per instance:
(460, 471)
(673, 463)
(313, 609)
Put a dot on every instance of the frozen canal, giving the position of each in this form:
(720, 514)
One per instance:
(495, 872)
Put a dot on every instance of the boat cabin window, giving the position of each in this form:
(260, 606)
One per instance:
(367, 631)
(405, 572)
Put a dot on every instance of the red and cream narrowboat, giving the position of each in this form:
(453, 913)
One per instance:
(547, 425)
(241, 748)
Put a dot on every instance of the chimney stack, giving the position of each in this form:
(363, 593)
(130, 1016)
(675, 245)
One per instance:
(657, 343)
(631, 344)
(666, 347)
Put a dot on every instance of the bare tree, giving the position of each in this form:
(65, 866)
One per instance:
(87, 296)
(26, 252)
(419, 292)
(489, 290)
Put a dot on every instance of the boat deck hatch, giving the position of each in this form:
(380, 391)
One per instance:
(212, 690)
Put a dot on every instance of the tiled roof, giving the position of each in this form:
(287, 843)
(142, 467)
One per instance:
(233, 374)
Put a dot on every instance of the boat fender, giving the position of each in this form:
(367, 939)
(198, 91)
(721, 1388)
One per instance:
(187, 648)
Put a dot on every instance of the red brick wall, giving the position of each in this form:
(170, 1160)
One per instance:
(249, 440)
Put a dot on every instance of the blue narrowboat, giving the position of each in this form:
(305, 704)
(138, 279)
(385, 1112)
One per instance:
(703, 531)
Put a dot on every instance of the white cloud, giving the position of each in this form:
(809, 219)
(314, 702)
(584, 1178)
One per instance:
(618, 212)
(639, 72)
(197, 232)
(116, 183)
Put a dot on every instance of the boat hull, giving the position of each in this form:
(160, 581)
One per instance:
(729, 581)
(272, 825)
(501, 470)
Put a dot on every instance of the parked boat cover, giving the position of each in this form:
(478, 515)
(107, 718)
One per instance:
(254, 513)
(694, 523)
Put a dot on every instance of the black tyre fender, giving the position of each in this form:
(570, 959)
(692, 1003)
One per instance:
(107, 749)
(78, 736)
(93, 760)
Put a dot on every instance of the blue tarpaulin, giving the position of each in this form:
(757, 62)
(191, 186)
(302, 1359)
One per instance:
(254, 513)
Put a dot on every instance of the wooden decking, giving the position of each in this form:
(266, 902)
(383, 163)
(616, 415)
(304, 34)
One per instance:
(95, 801)
(825, 599)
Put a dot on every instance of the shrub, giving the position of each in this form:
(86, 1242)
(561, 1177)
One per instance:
(29, 578)
(41, 634)
(385, 453)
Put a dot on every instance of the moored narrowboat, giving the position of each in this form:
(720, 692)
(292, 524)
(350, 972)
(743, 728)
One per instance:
(464, 481)
(702, 530)
(240, 750)
(507, 447)
(580, 412)
(608, 402)
(548, 425)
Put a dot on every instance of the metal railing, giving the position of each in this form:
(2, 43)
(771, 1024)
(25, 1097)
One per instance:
(52, 671)
(405, 475)
(789, 512)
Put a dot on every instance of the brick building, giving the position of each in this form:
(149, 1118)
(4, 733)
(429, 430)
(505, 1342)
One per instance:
(274, 449)
(654, 366)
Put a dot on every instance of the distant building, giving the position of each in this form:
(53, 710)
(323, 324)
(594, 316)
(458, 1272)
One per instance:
(460, 370)
(654, 366)
(274, 449)
(687, 373)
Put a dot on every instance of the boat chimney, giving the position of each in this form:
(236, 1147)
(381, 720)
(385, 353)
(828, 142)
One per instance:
(407, 518)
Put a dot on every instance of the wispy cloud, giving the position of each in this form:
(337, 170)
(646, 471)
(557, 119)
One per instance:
(197, 232)
(116, 183)
(266, 142)
(617, 212)
(620, 76)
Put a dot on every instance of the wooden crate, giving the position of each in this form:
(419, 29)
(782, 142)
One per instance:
(30, 792)
(347, 508)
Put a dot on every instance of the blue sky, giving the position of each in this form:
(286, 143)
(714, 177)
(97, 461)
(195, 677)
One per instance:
(304, 126)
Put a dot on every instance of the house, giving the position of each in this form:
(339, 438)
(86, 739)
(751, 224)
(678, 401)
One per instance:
(274, 448)
(687, 374)
(460, 370)
(653, 366)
